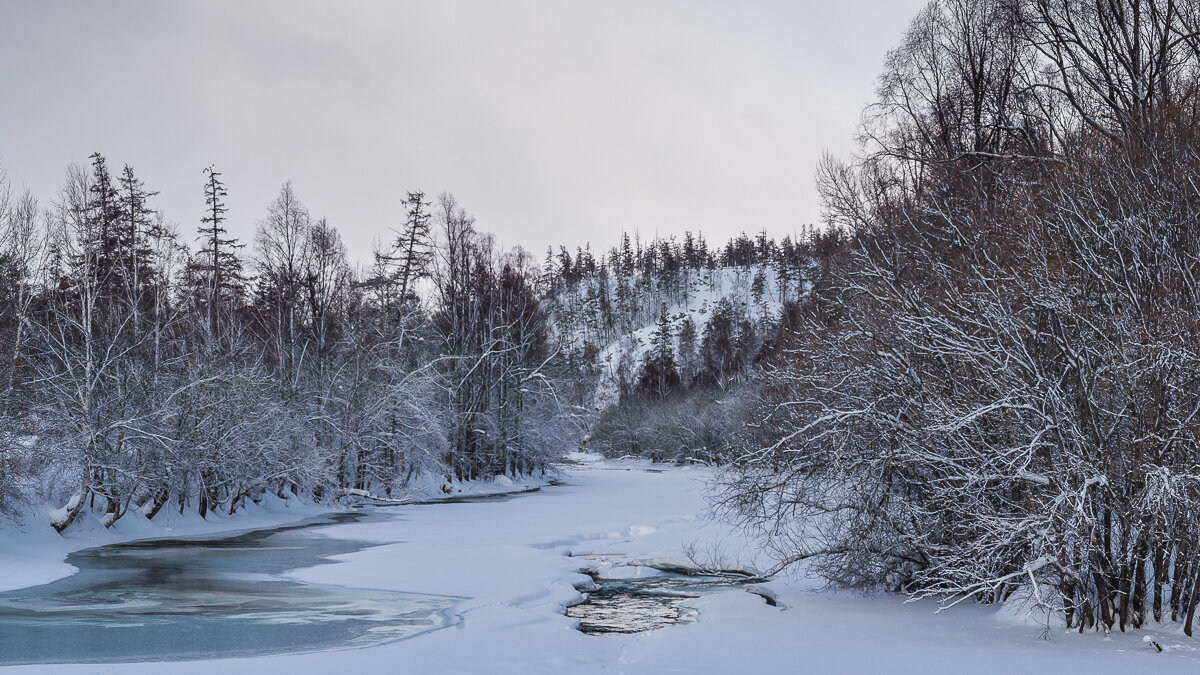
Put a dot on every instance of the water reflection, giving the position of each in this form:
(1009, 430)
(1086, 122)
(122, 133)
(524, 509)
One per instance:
(207, 597)
(644, 603)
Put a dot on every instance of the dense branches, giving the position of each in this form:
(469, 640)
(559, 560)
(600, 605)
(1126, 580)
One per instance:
(997, 389)
(140, 376)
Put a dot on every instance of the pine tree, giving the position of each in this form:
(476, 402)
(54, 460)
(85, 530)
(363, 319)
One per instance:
(414, 246)
(660, 374)
(668, 256)
(687, 348)
(217, 260)
(758, 287)
(103, 213)
(627, 257)
(549, 278)
(705, 256)
(764, 247)
(624, 300)
(662, 339)
(566, 270)
(580, 269)
(720, 349)
(132, 231)
(604, 300)
(689, 251)
(784, 267)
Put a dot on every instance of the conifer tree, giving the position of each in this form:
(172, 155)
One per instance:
(413, 250)
(217, 258)
(133, 230)
(627, 256)
(660, 375)
(687, 348)
(102, 214)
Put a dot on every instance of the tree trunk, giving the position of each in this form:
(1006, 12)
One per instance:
(1160, 576)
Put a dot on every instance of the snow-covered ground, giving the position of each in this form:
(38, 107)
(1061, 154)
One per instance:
(512, 559)
(34, 553)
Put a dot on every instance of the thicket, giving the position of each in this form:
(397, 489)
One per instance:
(997, 390)
(140, 373)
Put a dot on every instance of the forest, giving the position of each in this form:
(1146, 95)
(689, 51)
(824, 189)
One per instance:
(978, 380)
(147, 367)
(142, 373)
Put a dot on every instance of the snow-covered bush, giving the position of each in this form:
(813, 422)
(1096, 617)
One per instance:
(997, 388)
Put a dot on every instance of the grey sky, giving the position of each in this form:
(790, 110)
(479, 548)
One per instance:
(552, 122)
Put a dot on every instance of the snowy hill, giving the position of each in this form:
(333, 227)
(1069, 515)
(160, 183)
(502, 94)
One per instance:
(608, 321)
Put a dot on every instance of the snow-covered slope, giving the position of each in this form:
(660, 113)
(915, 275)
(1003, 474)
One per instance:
(618, 340)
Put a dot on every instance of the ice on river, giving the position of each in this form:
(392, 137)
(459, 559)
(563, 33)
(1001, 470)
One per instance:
(206, 597)
(517, 564)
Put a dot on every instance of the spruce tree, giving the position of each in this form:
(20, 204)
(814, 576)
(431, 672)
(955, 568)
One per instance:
(687, 347)
(627, 256)
(758, 287)
(660, 375)
(132, 232)
(414, 247)
(103, 213)
(217, 259)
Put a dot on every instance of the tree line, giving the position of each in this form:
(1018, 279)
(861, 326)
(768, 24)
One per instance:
(679, 329)
(147, 369)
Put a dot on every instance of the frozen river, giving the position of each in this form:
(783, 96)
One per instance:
(205, 597)
(504, 576)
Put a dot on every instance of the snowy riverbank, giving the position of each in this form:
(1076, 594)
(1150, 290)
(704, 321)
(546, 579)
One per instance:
(517, 561)
(35, 554)
(32, 553)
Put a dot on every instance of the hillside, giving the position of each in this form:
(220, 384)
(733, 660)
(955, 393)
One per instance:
(608, 323)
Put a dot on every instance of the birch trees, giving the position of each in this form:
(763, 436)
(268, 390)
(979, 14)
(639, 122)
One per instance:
(504, 413)
(22, 252)
(142, 376)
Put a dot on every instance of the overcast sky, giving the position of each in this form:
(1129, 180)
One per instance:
(552, 122)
